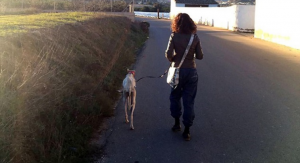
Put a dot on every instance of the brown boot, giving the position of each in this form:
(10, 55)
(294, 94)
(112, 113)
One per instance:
(177, 126)
(186, 134)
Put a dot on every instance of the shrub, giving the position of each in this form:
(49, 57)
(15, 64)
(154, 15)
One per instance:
(145, 9)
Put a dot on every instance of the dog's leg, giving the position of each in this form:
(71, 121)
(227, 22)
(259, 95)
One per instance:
(126, 105)
(133, 96)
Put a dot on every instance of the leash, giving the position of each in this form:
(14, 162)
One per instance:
(153, 76)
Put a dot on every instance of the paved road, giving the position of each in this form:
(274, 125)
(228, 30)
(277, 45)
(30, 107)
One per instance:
(247, 107)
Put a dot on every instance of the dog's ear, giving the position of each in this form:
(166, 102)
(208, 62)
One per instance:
(128, 70)
(131, 72)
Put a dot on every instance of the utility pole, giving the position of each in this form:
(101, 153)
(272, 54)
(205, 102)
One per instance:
(133, 6)
(84, 7)
(110, 5)
(54, 3)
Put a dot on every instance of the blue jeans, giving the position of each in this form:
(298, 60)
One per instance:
(187, 90)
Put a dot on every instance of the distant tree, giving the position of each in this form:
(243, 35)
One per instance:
(157, 5)
(145, 9)
(165, 8)
(119, 6)
(149, 3)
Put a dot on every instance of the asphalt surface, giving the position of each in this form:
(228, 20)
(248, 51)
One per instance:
(247, 107)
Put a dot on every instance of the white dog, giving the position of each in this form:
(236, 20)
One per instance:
(129, 95)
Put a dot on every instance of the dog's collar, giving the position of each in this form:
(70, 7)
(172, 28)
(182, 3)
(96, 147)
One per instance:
(131, 72)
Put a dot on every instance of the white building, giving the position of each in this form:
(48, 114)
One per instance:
(278, 21)
(195, 3)
(207, 12)
(178, 6)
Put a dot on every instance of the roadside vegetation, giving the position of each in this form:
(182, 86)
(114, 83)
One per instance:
(9, 7)
(59, 76)
(34, 6)
(11, 24)
(162, 7)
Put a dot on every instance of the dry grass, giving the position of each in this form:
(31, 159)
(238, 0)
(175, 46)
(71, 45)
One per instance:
(57, 81)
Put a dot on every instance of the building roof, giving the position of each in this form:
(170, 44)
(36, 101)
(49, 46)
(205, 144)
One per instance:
(202, 2)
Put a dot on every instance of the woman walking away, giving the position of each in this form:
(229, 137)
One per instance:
(183, 27)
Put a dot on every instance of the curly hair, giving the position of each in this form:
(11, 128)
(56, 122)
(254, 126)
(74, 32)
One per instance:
(183, 23)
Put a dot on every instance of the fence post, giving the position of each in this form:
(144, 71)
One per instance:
(54, 8)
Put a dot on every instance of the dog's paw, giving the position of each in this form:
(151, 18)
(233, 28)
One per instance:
(131, 128)
(126, 121)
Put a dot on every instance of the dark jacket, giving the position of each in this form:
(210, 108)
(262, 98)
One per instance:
(176, 48)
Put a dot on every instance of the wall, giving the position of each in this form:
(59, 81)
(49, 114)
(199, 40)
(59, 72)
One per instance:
(278, 21)
(235, 18)
(183, 5)
(245, 18)
(180, 5)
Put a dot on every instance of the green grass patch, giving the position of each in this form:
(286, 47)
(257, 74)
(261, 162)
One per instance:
(11, 24)
(19, 11)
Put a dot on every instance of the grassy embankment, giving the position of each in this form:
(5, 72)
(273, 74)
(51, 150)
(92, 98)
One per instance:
(58, 77)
